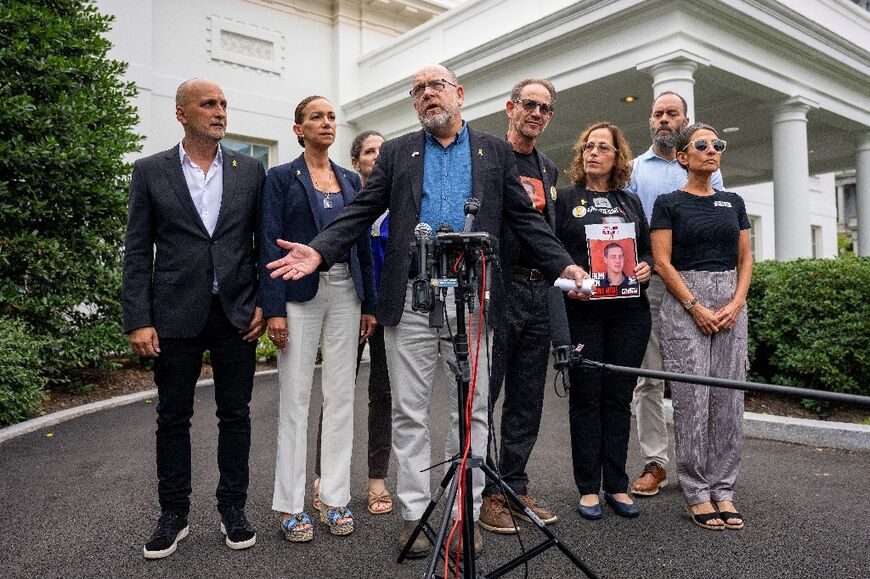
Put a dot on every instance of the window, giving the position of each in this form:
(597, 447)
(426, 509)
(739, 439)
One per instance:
(816, 231)
(261, 151)
(754, 235)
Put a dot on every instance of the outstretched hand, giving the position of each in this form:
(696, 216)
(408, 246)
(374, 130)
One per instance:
(299, 262)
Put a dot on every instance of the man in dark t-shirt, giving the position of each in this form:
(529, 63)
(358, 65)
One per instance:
(522, 336)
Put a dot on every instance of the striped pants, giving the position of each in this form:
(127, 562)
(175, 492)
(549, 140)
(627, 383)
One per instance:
(708, 421)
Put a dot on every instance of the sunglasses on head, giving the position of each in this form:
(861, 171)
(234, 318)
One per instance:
(529, 105)
(701, 145)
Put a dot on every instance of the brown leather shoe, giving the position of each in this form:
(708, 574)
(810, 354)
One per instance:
(420, 547)
(494, 516)
(652, 479)
(546, 514)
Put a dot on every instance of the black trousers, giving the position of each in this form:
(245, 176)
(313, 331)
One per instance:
(616, 333)
(380, 420)
(520, 353)
(176, 371)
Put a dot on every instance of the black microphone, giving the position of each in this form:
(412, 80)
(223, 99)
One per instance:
(472, 206)
(420, 290)
(560, 335)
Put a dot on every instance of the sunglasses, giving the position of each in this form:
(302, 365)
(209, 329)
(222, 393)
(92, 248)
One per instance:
(701, 145)
(436, 85)
(529, 105)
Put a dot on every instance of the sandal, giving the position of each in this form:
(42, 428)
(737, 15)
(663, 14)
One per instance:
(298, 528)
(703, 519)
(331, 516)
(731, 516)
(315, 497)
(383, 498)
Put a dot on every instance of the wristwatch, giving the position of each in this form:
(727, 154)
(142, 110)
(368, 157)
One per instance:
(690, 304)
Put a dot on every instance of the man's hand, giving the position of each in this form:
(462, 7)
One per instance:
(299, 262)
(256, 327)
(144, 342)
(642, 272)
(367, 324)
(278, 332)
(578, 274)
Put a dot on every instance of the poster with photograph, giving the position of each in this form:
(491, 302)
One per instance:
(612, 259)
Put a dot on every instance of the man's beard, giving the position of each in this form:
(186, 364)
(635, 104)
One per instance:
(435, 123)
(664, 141)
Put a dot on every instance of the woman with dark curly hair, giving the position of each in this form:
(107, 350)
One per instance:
(613, 331)
(701, 245)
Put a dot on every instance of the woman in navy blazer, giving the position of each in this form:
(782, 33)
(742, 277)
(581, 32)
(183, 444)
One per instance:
(333, 309)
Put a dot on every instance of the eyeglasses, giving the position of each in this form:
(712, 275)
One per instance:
(701, 145)
(436, 85)
(529, 105)
(603, 147)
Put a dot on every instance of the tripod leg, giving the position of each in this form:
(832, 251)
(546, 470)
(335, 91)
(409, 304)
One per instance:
(438, 545)
(423, 524)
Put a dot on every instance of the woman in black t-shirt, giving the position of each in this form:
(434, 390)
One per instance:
(613, 331)
(701, 245)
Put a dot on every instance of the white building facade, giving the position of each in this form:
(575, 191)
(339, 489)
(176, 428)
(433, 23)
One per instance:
(788, 80)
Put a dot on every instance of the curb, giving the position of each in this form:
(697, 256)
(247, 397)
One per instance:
(819, 433)
(70, 413)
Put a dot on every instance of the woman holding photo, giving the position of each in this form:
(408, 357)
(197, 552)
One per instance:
(613, 331)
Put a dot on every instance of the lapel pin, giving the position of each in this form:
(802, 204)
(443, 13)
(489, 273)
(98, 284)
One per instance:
(298, 172)
(480, 152)
(415, 153)
(235, 163)
(553, 193)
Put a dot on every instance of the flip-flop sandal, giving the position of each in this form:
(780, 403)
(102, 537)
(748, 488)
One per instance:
(730, 516)
(380, 499)
(703, 520)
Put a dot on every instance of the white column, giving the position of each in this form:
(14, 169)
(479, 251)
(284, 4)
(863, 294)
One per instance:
(862, 193)
(676, 76)
(791, 187)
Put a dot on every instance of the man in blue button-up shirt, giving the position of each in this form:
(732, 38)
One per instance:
(655, 173)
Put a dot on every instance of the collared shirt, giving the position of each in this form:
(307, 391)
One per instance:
(446, 180)
(652, 176)
(206, 190)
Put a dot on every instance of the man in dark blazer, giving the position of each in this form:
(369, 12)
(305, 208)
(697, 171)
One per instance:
(190, 285)
(426, 176)
(522, 336)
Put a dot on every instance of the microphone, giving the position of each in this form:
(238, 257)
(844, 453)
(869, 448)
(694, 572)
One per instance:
(423, 236)
(472, 206)
(421, 296)
(560, 335)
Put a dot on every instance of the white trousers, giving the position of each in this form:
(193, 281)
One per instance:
(330, 319)
(413, 358)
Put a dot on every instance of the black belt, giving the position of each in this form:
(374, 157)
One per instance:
(528, 274)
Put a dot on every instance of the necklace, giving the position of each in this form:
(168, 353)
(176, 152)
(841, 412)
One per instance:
(327, 202)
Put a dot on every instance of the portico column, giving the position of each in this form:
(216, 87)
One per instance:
(791, 180)
(676, 76)
(862, 193)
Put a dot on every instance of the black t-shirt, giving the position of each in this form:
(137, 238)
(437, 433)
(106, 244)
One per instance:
(704, 229)
(533, 183)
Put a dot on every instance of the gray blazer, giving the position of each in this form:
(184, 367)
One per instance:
(170, 260)
(397, 184)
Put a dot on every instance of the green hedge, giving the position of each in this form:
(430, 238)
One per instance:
(22, 381)
(809, 324)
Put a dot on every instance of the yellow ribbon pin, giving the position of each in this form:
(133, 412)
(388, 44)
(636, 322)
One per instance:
(235, 163)
(480, 152)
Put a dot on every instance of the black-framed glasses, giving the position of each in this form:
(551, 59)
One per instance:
(603, 147)
(701, 145)
(436, 85)
(529, 105)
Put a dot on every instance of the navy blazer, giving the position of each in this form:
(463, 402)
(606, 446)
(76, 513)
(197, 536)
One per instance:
(170, 260)
(289, 212)
(396, 183)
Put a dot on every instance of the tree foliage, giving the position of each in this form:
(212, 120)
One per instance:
(66, 123)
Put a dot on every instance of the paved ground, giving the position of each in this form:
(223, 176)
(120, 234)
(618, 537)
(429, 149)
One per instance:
(80, 503)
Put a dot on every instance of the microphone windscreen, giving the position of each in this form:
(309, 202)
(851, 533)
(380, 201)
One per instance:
(423, 231)
(559, 331)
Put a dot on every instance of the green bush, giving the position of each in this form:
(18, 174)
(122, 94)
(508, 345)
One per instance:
(809, 324)
(66, 124)
(21, 381)
(266, 351)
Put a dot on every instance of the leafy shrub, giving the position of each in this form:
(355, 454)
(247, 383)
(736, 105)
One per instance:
(21, 381)
(266, 351)
(66, 123)
(809, 324)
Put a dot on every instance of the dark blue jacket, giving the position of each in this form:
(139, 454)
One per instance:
(288, 211)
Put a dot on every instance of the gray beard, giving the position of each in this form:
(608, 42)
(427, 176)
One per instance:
(435, 123)
(668, 141)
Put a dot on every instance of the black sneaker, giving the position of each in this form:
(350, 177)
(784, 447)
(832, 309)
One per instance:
(171, 528)
(240, 533)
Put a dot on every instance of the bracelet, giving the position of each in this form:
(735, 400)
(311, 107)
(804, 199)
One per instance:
(690, 304)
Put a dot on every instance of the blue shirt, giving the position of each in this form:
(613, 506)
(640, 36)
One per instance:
(652, 176)
(446, 181)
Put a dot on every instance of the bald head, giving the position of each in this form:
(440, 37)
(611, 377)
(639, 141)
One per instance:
(430, 70)
(191, 86)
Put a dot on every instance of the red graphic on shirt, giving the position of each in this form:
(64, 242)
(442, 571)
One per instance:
(535, 189)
